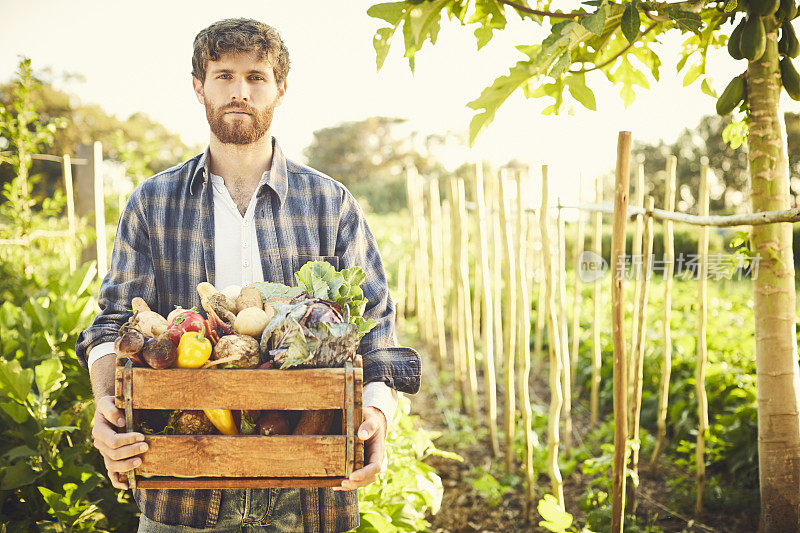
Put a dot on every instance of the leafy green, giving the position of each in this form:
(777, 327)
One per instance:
(270, 290)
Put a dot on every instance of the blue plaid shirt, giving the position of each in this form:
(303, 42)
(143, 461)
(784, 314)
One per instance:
(164, 247)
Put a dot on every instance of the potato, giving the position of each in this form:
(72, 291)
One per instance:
(249, 297)
(251, 321)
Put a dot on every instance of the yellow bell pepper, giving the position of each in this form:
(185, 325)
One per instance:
(222, 420)
(193, 350)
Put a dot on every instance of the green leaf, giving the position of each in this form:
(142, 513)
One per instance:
(270, 290)
(48, 376)
(18, 475)
(692, 74)
(381, 41)
(18, 413)
(685, 20)
(730, 6)
(15, 381)
(483, 34)
(555, 518)
(493, 96)
(630, 22)
(391, 12)
(297, 351)
(581, 93)
(596, 21)
(706, 88)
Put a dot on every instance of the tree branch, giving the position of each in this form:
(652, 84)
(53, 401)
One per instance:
(525, 9)
(618, 54)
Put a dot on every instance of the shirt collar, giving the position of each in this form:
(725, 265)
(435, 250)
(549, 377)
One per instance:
(276, 179)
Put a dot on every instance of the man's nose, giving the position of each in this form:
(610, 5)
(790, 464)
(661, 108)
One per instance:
(240, 90)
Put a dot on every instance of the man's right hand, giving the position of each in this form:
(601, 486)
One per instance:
(120, 450)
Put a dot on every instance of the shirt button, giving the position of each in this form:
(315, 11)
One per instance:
(245, 244)
(246, 263)
(244, 223)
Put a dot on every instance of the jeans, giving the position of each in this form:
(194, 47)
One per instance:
(246, 510)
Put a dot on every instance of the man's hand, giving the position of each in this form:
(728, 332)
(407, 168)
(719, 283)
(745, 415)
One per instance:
(373, 433)
(120, 450)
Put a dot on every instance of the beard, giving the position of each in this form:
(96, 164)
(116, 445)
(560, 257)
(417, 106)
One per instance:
(239, 130)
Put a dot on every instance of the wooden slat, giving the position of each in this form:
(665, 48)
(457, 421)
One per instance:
(163, 482)
(189, 456)
(177, 388)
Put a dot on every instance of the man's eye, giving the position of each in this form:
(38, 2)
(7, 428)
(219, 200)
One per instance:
(223, 75)
(257, 77)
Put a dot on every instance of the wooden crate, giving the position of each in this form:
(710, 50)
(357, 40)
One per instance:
(239, 461)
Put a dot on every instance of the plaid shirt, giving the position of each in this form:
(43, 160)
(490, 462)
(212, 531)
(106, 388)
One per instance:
(164, 247)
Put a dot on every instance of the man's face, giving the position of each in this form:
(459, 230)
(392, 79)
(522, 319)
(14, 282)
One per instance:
(240, 95)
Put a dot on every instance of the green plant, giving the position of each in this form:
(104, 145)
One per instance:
(409, 489)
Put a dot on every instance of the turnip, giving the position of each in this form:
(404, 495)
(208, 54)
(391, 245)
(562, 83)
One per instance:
(249, 297)
(160, 352)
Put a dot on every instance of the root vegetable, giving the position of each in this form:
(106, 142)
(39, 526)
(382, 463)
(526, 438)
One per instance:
(251, 321)
(232, 291)
(239, 350)
(249, 297)
(160, 352)
(315, 422)
(272, 423)
(150, 323)
(191, 423)
(129, 344)
(205, 289)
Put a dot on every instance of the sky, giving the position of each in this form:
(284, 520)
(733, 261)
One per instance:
(136, 57)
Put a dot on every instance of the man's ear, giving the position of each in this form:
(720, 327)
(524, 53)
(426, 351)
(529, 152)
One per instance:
(281, 92)
(197, 85)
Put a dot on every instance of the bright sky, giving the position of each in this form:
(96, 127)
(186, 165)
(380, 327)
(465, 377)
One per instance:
(136, 56)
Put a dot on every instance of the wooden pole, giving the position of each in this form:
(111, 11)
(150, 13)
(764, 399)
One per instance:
(71, 223)
(596, 297)
(459, 343)
(636, 266)
(463, 277)
(411, 301)
(477, 301)
(622, 184)
(561, 274)
(700, 375)
(509, 274)
(496, 266)
(638, 352)
(489, 379)
(577, 299)
(524, 349)
(669, 258)
(556, 399)
(437, 271)
(100, 212)
(425, 317)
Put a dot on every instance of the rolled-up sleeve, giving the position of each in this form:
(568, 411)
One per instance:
(130, 275)
(398, 367)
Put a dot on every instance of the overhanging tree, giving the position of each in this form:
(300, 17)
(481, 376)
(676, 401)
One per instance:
(615, 40)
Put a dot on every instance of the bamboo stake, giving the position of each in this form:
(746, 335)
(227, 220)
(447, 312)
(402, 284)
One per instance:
(71, 225)
(469, 354)
(524, 349)
(490, 383)
(100, 213)
(459, 341)
(413, 204)
(509, 273)
(596, 296)
(702, 356)
(636, 265)
(577, 299)
(497, 266)
(476, 302)
(561, 274)
(553, 422)
(669, 257)
(638, 352)
(424, 306)
(437, 271)
(622, 184)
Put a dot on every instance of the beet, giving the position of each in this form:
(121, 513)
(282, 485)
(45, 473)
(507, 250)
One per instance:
(160, 352)
(272, 423)
(129, 344)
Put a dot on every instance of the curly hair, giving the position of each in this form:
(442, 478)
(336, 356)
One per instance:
(239, 35)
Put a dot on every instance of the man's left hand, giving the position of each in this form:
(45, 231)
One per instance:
(373, 432)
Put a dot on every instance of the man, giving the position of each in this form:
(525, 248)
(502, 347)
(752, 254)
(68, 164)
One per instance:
(238, 213)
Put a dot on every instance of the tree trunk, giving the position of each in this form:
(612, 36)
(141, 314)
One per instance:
(778, 380)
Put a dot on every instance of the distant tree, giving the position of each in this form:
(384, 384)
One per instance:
(369, 157)
(143, 145)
